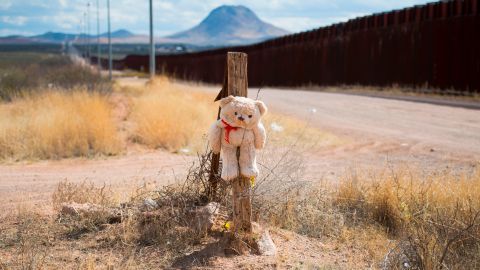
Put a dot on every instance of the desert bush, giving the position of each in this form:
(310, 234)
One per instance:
(167, 116)
(12, 83)
(31, 235)
(58, 125)
(167, 228)
(84, 192)
(434, 218)
(23, 74)
(102, 198)
(438, 215)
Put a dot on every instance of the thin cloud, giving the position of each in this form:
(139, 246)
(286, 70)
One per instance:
(5, 4)
(14, 20)
(11, 32)
(177, 15)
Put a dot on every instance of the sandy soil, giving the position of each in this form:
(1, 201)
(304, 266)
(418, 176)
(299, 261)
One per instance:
(376, 132)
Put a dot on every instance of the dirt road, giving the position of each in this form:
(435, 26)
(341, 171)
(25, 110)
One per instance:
(376, 132)
(455, 130)
(383, 131)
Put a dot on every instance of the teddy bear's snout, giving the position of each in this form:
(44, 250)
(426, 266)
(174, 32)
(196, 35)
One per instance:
(241, 118)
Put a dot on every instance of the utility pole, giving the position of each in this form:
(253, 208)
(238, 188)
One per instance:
(152, 44)
(99, 53)
(84, 38)
(110, 63)
(88, 32)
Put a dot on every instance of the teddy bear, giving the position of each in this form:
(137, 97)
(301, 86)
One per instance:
(240, 127)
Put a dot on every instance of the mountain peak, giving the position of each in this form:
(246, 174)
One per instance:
(227, 25)
(122, 33)
(232, 10)
(236, 15)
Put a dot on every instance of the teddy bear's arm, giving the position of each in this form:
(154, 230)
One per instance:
(260, 136)
(215, 137)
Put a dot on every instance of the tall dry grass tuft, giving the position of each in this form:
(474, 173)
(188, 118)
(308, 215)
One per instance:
(85, 192)
(436, 217)
(52, 125)
(171, 117)
(102, 199)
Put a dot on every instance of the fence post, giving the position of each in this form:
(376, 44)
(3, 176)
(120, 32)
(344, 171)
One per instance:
(236, 84)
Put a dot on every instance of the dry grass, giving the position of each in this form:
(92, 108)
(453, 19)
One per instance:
(431, 220)
(53, 125)
(22, 73)
(175, 116)
(67, 192)
(436, 217)
(56, 124)
(31, 236)
(171, 117)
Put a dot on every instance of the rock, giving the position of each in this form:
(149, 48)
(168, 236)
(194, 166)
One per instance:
(204, 216)
(149, 204)
(265, 245)
(88, 209)
(77, 209)
(258, 242)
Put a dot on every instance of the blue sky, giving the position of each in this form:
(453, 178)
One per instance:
(29, 17)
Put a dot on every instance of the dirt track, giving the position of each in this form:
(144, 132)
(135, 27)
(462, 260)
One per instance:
(446, 128)
(380, 131)
(376, 131)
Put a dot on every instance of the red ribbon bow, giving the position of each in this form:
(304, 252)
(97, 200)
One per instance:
(228, 128)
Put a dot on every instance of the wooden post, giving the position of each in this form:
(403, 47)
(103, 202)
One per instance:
(242, 239)
(236, 84)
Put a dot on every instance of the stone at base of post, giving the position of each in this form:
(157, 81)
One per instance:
(257, 242)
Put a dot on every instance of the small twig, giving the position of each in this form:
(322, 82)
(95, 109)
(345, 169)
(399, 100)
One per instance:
(258, 93)
(453, 239)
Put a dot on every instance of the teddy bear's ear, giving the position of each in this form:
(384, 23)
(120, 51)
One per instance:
(261, 107)
(225, 101)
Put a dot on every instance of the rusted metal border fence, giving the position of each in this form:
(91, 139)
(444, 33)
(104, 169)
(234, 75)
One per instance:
(435, 46)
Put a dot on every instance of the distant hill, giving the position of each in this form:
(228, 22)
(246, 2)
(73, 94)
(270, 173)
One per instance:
(55, 37)
(228, 25)
(122, 33)
(224, 26)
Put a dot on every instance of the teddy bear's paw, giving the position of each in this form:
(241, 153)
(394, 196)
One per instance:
(249, 171)
(228, 175)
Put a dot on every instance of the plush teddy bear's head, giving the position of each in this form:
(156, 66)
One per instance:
(241, 111)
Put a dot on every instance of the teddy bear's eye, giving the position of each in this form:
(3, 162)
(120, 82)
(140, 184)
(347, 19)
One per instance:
(250, 116)
(236, 113)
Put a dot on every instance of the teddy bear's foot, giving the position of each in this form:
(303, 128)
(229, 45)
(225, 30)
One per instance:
(249, 171)
(229, 174)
